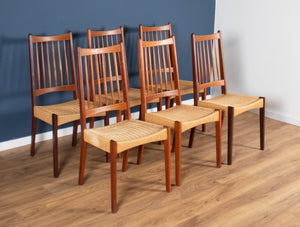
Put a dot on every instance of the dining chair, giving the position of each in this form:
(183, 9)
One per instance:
(158, 64)
(103, 83)
(52, 70)
(209, 71)
(155, 33)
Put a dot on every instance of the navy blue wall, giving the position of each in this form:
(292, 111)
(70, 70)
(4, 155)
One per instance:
(18, 18)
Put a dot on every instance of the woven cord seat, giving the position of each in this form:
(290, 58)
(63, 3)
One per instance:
(66, 112)
(241, 103)
(188, 116)
(208, 71)
(127, 134)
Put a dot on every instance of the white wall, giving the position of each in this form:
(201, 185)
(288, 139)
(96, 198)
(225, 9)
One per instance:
(261, 42)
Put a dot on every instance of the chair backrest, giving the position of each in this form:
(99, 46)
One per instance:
(158, 65)
(99, 39)
(52, 65)
(208, 65)
(155, 33)
(101, 77)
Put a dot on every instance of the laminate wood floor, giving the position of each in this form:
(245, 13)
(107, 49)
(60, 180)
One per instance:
(261, 188)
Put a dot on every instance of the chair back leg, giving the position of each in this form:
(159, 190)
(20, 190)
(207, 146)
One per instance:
(177, 136)
(262, 125)
(55, 145)
(33, 133)
(230, 134)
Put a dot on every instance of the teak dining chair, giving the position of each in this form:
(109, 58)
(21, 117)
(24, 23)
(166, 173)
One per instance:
(158, 64)
(52, 70)
(208, 71)
(104, 72)
(156, 33)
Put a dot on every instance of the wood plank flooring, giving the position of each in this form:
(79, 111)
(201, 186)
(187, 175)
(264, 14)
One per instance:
(261, 188)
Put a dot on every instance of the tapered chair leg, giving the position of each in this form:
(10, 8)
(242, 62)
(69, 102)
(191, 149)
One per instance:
(168, 160)
(262, 125)
(177, 132)
(125, 160)
(192, 135)
(82, 161)
(33, 133)
(92, 122)
(75, 128)
(55, 145)
(140, 154)
(219, 140)
(230, 134)
(113, 175)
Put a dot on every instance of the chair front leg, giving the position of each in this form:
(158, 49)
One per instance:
(113, 175)
(230, 134)
(55, 145)
(177, 136)
(33, 133)
(75, 129)
(262, 124)
(167, 146)
(82, 161)
(219, 140)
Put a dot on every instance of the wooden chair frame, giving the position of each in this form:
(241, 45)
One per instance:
(156, 88)
(97, 79)
(45, 79)
(210, 72)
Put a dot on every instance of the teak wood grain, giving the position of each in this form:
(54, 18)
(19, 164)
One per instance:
(261, 188)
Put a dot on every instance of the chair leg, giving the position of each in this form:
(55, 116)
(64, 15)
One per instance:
(219, 140)
(113, 175)
(168, 160)
(192, 135)
(177, 136)
(106, 119)
(203, 97)
(33, 133)
(173, 143)
(82, 161)
(75, 129)
(55, 145)
(172, 102)
(262, 125)
(92, 122)
(125, 160)
(230, 134)
(140, 154)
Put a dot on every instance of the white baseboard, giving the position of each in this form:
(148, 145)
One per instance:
(68, 131)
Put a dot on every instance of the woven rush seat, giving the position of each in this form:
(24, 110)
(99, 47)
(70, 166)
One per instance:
(127, 134)
(66, 112)
(241, 103)
(189, 116)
